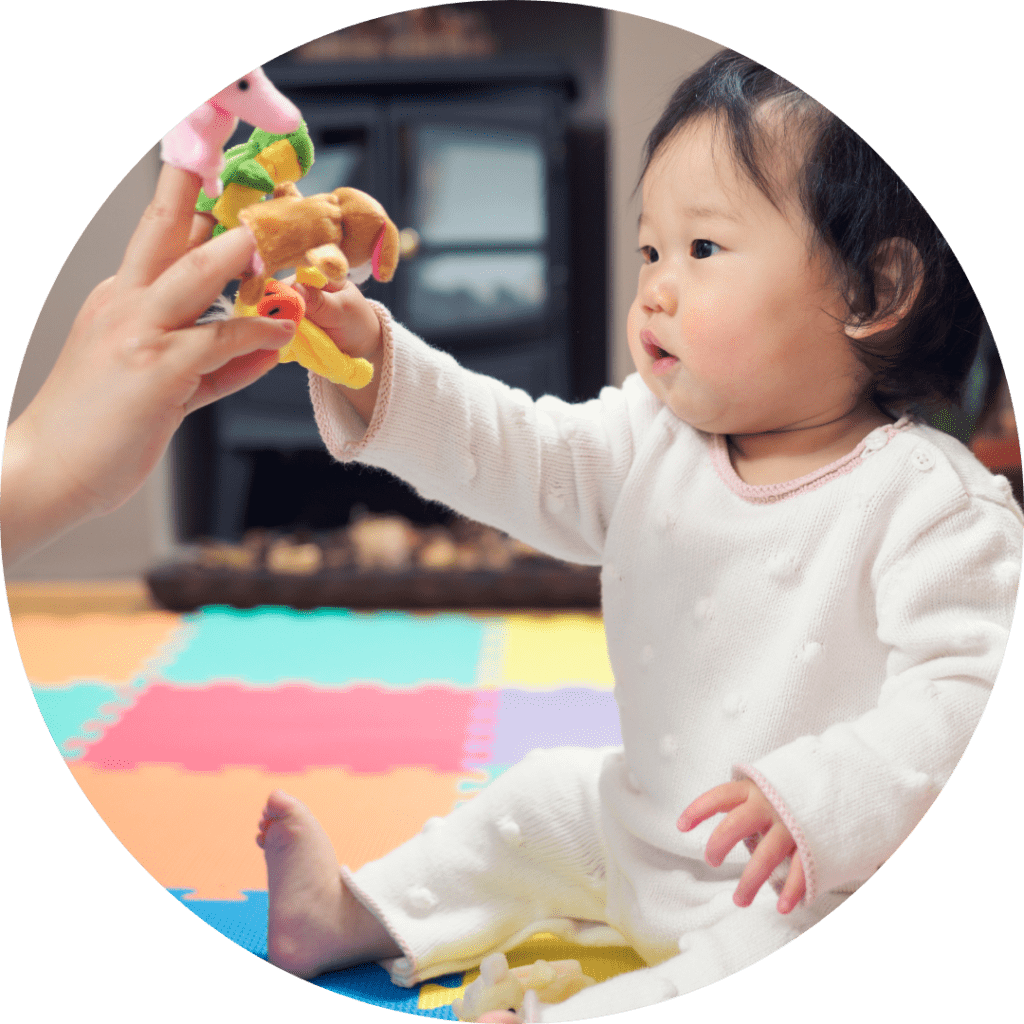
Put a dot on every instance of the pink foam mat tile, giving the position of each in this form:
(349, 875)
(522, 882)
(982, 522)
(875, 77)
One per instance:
(290, 728)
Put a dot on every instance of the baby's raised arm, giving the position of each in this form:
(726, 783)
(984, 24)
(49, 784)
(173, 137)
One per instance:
(545, 471)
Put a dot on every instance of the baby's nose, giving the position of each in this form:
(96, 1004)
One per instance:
(660, 292)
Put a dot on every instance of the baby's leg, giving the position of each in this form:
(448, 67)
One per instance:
(315, 924)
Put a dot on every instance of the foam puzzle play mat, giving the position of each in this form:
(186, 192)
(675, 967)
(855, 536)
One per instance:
(383, 719)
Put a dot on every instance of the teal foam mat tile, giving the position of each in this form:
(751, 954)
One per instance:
(77, 715)
(327, 646)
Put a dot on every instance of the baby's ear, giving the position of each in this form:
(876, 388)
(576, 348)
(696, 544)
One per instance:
(898, 272)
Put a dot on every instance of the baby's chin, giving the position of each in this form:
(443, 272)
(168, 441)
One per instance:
(705, 416)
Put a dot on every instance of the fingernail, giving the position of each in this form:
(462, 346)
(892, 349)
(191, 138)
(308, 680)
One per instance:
(683, 824)
(285, 327)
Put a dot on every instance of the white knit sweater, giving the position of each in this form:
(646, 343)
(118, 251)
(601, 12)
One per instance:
(834, 638)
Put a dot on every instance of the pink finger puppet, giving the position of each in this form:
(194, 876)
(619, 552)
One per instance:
(197, 143)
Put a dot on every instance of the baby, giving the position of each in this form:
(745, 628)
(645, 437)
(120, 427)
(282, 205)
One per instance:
(806, 590)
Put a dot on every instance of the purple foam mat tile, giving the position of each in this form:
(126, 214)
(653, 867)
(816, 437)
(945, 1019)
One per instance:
(570, 717)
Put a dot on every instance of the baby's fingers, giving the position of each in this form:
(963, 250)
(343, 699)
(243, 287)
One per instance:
(771, 851)
(714, 801)
(739, 824)
(795, 888)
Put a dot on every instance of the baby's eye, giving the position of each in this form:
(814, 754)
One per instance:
(702, 249)
(649, 253)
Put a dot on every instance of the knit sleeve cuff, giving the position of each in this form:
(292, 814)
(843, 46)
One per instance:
(343, 430)
(779, 875)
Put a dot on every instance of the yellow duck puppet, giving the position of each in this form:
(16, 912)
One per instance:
(310, 347)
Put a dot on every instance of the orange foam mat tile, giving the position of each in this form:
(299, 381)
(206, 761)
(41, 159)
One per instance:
(115, 649)
(196, 830)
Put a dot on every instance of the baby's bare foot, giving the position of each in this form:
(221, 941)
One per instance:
(314, 923)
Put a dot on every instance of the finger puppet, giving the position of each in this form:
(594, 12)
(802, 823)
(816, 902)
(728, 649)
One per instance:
(310, 347)
(333, 232)
(500, 987)
(196, 143)
(253, 169)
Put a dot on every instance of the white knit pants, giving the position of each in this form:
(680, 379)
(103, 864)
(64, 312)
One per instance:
(535, 852)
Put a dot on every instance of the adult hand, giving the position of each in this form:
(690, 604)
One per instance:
(748, 815)
(134, 365)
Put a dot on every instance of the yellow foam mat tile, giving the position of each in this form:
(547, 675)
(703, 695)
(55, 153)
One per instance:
(114, 649)
(548, 651)
(196, 830)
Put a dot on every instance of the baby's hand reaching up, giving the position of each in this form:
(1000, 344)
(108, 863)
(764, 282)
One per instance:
(748, 815)
(349, 320)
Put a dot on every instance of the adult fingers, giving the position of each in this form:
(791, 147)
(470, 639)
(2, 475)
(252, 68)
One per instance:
(202, 228)
(233, 376)
(203, 350)
(795, 888)
(162, 234)
(739, 824)
(771, 851)
(186, 289)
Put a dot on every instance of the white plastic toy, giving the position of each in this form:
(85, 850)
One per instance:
(500, 987)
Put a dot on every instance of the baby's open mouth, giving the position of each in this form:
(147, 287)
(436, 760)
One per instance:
(652, 348)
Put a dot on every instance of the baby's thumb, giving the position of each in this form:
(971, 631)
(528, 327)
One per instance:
(319, 307)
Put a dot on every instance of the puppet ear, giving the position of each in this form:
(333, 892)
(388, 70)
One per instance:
(898, 272)
(385, 251)
(367, 232)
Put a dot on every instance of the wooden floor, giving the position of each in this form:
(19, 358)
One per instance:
(110, 597)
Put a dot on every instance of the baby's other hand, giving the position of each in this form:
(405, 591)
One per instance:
(748, 815)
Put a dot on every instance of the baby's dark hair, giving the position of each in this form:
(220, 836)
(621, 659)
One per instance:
(856, 203)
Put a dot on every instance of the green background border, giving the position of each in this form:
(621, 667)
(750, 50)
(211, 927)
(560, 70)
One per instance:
(90, 934)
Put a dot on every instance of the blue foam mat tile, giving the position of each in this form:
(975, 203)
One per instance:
(370, 983)
(244, 922)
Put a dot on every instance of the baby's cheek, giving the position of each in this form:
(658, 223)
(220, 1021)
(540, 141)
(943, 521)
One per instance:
(633, 327)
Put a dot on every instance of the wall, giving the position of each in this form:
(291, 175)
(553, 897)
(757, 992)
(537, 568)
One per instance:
(136, 535)
(635, 101)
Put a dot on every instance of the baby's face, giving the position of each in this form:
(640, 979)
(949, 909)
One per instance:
(735, 326)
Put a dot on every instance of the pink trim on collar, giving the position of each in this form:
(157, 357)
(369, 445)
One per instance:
(766, 494)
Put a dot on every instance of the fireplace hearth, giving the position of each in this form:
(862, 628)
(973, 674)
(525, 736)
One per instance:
(379, 562)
